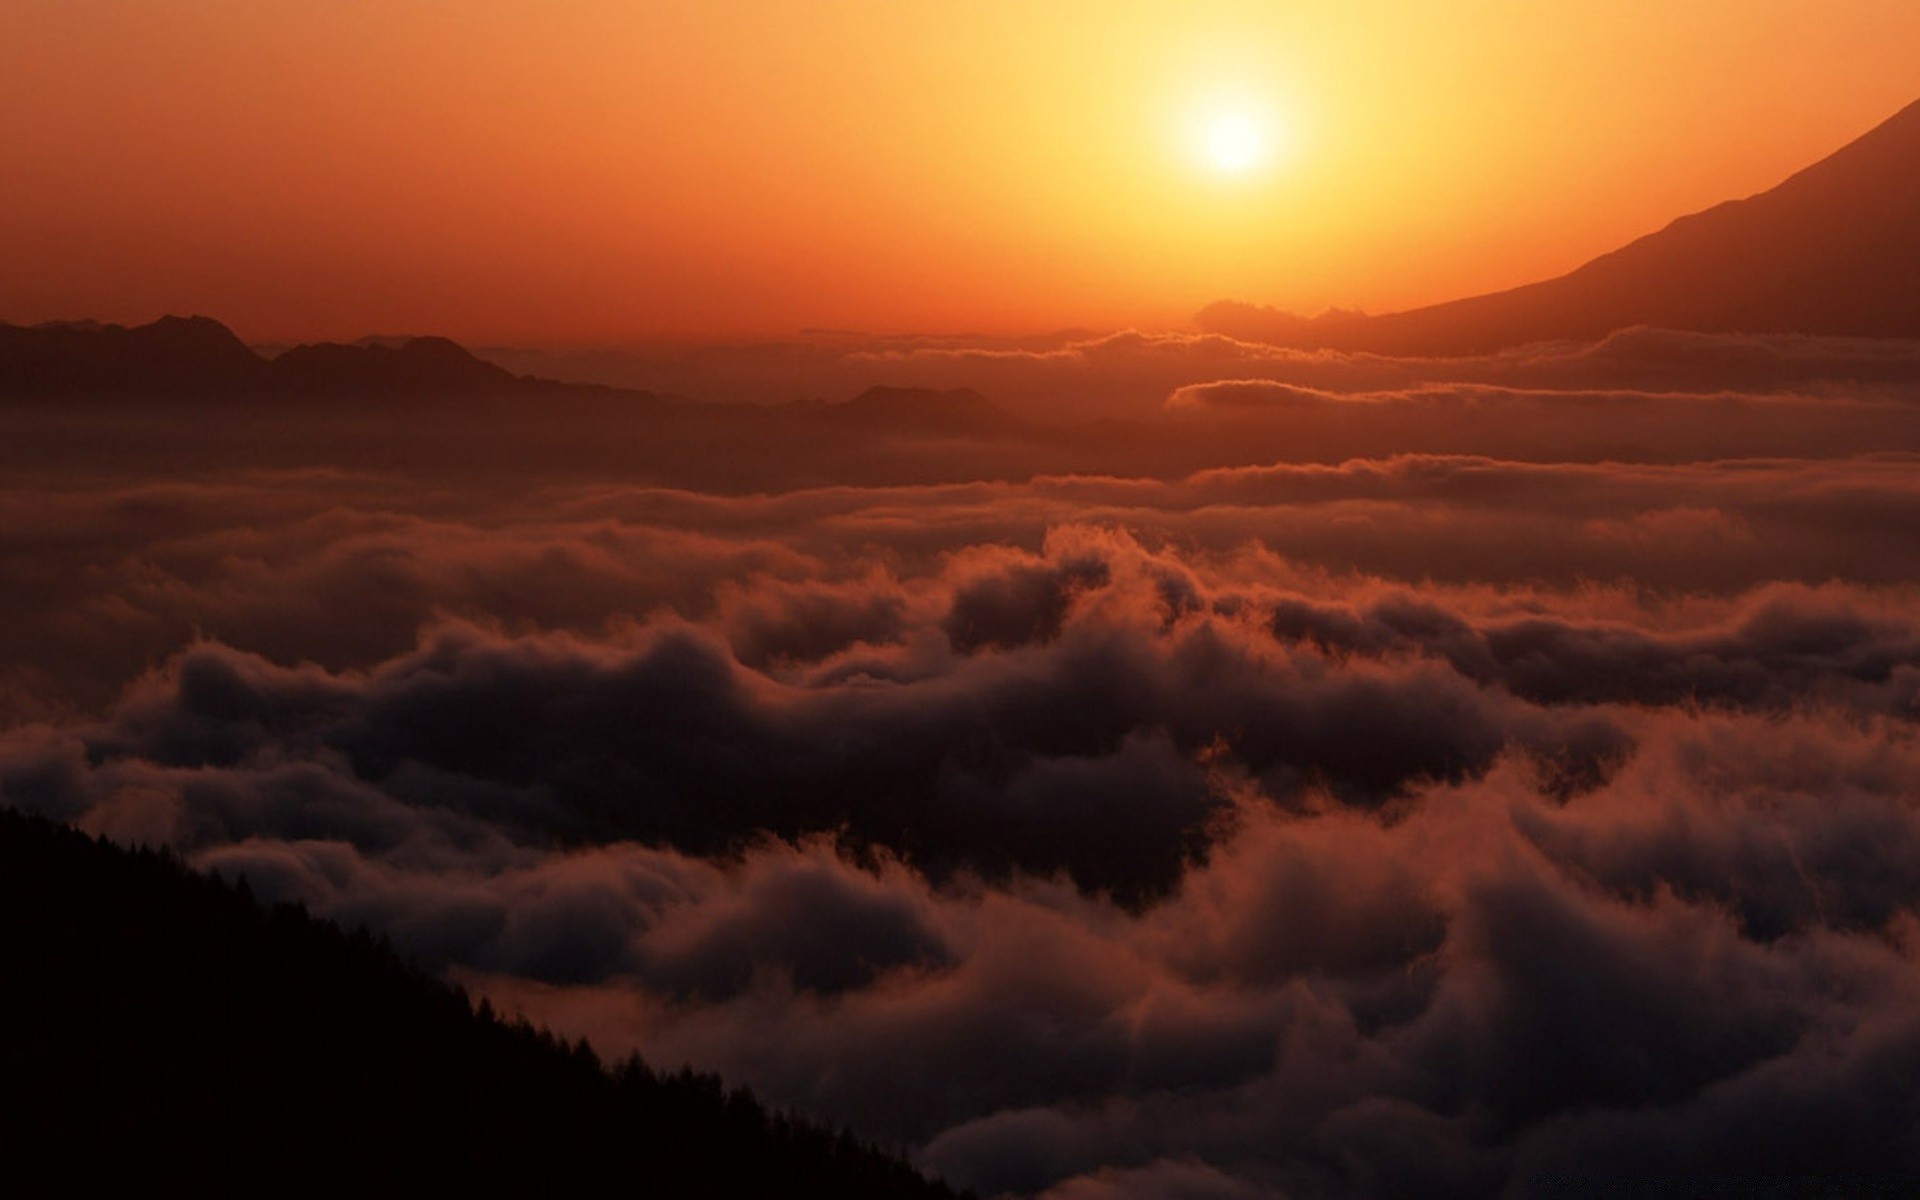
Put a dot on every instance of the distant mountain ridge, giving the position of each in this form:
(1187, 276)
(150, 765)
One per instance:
(198, 358)
(951, 411)
(420, 363)
(1835, 249)
(201, 357)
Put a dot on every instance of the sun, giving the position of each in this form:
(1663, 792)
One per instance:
(1235, 142)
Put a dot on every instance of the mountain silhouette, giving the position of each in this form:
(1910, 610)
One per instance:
(198, 356)
(1833, 250)
(172, 355)
(956, 412)
(415, 365)
(166, 1031)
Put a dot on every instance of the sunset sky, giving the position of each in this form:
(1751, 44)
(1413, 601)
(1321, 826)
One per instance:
(859, 616)
(593, 170)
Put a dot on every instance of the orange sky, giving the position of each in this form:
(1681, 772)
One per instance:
(594, 170)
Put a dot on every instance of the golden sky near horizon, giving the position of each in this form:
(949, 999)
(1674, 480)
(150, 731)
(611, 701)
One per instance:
(594, 170)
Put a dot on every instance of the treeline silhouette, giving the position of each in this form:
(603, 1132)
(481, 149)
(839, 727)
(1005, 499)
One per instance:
(167, 1031)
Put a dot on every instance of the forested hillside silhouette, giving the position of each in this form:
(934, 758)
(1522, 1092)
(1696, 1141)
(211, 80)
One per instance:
(168, 1031)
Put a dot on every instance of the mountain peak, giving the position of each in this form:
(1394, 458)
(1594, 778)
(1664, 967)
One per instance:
(170, 355)
(1834, 249)
(423, 364)
(198, 355)
(954, 411)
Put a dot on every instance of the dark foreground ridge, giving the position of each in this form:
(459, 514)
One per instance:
(165, 1029)
(1833, 250)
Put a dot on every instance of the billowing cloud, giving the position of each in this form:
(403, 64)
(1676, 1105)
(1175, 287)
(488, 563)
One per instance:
(1488, 983)
(1219, 802)
(1131, 372)
(344, 570)
(1182, 873)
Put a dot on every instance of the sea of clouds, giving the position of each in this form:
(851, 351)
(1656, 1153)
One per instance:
(1537, 812)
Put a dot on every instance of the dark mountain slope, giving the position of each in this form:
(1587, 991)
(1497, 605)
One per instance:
(163, 1030)
(1833, 250)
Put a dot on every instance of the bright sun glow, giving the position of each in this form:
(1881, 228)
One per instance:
(1235, 142)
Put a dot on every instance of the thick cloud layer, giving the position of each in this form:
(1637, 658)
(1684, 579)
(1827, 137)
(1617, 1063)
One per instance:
(344, 569)
(1431, 824)
(1131, 372)
(1180, 875)
(1706, 959)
